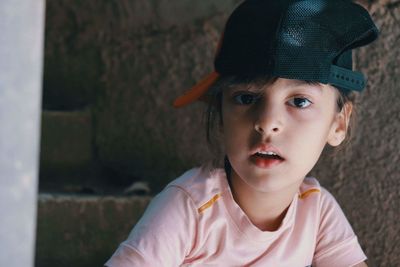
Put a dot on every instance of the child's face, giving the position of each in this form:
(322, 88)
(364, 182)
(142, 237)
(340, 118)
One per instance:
(291, 117)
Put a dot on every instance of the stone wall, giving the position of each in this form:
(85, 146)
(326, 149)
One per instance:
(120, 64)
(365, 176)
(126, 61)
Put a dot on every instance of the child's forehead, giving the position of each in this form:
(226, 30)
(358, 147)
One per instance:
(260, 85)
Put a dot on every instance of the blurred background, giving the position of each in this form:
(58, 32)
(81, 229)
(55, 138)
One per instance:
(111, 72)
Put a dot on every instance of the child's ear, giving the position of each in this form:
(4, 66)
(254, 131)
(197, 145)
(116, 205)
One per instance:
(340, 125)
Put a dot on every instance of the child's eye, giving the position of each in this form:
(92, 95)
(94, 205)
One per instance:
(299, 102)
(245, 98)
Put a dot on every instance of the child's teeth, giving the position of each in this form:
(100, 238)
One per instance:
(267, 153)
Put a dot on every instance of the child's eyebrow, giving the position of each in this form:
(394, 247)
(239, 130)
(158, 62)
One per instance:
(247, 87)
(255, 87)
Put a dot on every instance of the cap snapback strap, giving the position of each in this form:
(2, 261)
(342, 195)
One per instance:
(347, 79)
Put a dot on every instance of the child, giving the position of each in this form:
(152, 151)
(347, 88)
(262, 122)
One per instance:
(281, 91)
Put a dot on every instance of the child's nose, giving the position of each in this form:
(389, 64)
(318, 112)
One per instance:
(269, 120)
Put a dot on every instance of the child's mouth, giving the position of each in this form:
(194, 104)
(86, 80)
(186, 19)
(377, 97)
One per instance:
(266, 159)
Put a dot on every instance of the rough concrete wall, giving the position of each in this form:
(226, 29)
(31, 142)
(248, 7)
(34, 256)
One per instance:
(127, 61)
(365, 176)
(130, 59)
(152, 60)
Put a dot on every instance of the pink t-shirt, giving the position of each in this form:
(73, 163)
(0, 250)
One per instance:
(195, 221)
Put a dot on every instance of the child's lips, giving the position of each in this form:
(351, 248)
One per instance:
(263, 149)
(266, 162)
(266, 156)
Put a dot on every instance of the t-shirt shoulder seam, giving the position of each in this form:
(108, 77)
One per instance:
(184, 191)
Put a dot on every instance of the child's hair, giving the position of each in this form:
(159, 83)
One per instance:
(213, 112)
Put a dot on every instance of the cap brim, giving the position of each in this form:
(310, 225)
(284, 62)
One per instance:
(196, 92)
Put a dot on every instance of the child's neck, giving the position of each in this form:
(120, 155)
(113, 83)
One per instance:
(270, 208)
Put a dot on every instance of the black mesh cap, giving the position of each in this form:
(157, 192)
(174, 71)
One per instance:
(308, 40)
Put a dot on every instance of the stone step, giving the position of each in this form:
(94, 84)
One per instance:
(83, 231)
(66, 148)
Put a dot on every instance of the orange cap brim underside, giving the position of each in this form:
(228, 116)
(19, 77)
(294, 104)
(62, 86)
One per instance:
(197, 91)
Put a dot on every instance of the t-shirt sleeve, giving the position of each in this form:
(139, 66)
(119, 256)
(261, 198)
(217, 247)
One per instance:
(163, 236)
(337, 245)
